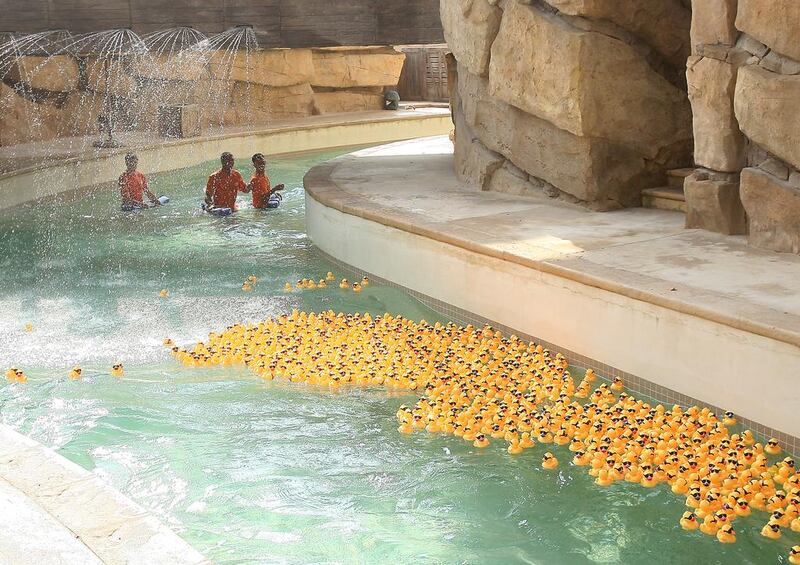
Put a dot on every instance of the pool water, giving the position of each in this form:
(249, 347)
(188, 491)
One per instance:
(255, 472)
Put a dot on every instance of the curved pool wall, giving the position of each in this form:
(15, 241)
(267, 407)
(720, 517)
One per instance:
(94, 168)
(62, 513)
(687, 359)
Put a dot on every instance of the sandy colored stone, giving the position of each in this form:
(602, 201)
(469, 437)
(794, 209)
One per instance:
(343, 101)
(470, 27)
(773, 209)
(510, 179)
(773, 22)
(714, 205)
(56, 74)
(766, 106)
(257, 104)
(473, 162)
(547, 68)
(270, 67)
(346, 67)
(111, 76)
(713, 23)
(182, 66)
(594, 170)
(663, 25)
(777, 63)
(718, 142)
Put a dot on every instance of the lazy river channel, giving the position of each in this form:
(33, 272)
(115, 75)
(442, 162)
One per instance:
(255, 472)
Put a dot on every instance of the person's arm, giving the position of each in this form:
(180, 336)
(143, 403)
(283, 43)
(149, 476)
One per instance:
(153, 198)
(210, 191)
(242, 187)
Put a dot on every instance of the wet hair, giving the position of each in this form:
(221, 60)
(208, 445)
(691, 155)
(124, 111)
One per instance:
(259, 157)
(226, 156)
(130, 157)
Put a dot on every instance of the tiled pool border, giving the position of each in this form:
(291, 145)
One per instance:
(634, 383)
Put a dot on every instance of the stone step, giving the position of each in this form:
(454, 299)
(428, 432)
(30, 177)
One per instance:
(675, 177)
(664, 198)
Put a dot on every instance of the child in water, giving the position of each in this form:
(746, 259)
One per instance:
(133, 186)
(260, 184)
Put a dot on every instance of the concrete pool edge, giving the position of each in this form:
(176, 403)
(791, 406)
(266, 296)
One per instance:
(111, 527)
(445, 272)
(94, 167)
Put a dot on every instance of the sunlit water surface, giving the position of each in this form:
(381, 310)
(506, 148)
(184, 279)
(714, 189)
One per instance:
(250, 472)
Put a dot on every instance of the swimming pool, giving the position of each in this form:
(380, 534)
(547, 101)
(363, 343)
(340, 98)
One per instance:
(249, 471)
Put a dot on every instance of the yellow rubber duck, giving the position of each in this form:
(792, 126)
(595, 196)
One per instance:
(794, 555)
(168, 342)
(689, 521)
(75, 374)
(163, 293)
(11, 374)
(726, 534)
(729, 419)
(329, 277)
(117, 370)
(364, 281)
(356, 287)
(771, 530)
(616, 384)
(481, 441)
(710, 525)
(252, 279)
(29, 327)
(549, 461)
(772, 447)
(514, 448)
(343, 284)
(322, 283)
(287, 287)
(247, 287)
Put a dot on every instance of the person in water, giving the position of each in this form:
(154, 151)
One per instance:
(260, 184)
(133, 185)
(223, 185)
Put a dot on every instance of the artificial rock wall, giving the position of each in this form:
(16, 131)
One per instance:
(582, 99)
(42, 99)
(744, 87)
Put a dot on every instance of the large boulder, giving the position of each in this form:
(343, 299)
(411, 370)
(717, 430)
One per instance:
(713, 23)
(718, 142)
(347, 67)
(110, 75)
(473, 162)
(773, 208)
(269, 67)
(766, 106)
(182, 66)
(595, 170)
(586, 83)
(773, 22)
(346, 101)
(470, 27)
(663, 25)
(713, 203)
(58, 73)
(258, 104)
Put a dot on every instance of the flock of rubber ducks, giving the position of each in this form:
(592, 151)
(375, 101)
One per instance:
(484, 387)
(310, 284)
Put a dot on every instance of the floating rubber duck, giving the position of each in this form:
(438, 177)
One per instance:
(689, 521)
(11, 374)
(549, 461)
(729, 418)
(75, 373)
(726, 534)
(616, 384)
(710, 525)
(168, 342)
(480, 441)
(287, 287)
(344, 284)
(794, 555)
(322, 283)
(252, 279)
(163, 293)
(247, 287)
(772, 447)
(329, 277)
(356, 287)
(771, 530)
(364, 281)
(29, 327)
(117, 370)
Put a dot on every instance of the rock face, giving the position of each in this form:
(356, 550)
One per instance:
(766, 106)
(470, 27)
(54, 74)
(713, 23)
(713, 203)
(773, 209)
(577, 95)
(273, 67)
(346, 101)
(773, 22)
(718, 143)
(347, 67)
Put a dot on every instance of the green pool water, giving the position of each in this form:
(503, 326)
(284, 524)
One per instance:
(254, 472)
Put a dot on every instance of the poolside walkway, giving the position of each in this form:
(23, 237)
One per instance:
(641, 253)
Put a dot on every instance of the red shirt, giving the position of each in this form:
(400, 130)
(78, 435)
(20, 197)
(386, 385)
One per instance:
(221, 189)
(261, 186)
(132, 187)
